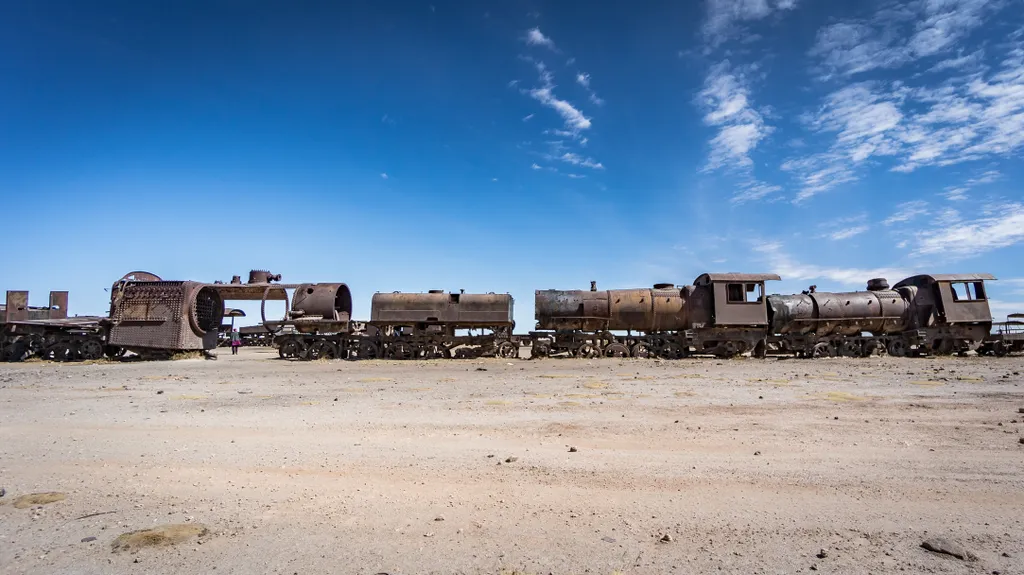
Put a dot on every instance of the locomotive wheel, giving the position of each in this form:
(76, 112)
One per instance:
(400, 351)
(822, 349)
(323, 349)
(507, 350)
(292, 349)
(59, 351)
(671, 351)
(616, 350)
(540, 350)
(16, 351)
(641, 350)
(436, 351)
(587, 351)
(851, 348)
(467, 353)
(367, 350)
(999, 349)
(897, 348)
(90, 349)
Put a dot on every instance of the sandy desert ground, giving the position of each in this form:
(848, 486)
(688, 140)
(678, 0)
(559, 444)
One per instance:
(494, 466)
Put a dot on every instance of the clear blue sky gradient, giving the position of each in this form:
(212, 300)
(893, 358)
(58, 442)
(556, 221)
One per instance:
(198, 140)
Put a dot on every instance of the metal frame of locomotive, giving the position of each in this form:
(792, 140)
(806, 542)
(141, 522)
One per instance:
(432, 325)
(721, 314)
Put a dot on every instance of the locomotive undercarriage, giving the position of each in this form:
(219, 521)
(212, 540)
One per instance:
(914, 343)
(56, 345)
(665, 345)
(389, 343)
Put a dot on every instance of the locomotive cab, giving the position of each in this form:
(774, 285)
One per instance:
(735, 299)
(950, 312)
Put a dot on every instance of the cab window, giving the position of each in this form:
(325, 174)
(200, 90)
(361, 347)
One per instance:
(744, 293)
(967, 291)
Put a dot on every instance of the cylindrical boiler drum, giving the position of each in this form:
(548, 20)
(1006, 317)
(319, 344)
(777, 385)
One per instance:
(669, 309)
(571, 309)
(330, 301)
(630, 309)
(791, 314)
(850, 313)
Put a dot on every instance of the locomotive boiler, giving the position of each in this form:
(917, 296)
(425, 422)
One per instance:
(723, 314)
(156, 317)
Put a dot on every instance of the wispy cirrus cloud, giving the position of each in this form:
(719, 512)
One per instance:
(584, 80)
(998, 226)
(545, 94)
(725, 18)
(907, 211)
(726, 101)
(784, 264)
(897, 34)
(917, 126)
(534, 37)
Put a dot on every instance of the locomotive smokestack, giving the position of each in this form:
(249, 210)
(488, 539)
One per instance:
(878, 284)
(593, 286)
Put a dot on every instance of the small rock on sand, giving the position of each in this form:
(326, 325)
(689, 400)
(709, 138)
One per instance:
(947, 547)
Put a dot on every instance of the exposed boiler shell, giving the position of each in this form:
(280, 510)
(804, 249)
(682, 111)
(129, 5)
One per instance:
(850, 313)
(641, 309)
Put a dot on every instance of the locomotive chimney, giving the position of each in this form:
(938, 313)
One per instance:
(877, 284)
(593, 285)
(236, 279)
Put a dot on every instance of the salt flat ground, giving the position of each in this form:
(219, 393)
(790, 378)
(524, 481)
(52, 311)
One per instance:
(465, 466)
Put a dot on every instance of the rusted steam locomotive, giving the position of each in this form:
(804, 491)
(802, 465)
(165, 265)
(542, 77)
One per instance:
(431, 325)
(728, 314)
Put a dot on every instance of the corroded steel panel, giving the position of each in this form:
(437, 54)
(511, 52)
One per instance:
(441, 308)
(17, 306)
(165, 315)
(58, 305)
(331, 301)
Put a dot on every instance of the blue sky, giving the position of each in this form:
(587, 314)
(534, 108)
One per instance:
(511, 146)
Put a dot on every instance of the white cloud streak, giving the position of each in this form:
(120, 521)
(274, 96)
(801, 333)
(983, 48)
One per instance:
(534, 37)
(997, 227)
(790, 269)
(907, 211)
(725, 99)
(899, 33)
(725, 17)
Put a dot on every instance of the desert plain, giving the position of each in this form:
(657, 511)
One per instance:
(254, 464)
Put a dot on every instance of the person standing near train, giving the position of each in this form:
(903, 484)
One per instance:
(236, 340)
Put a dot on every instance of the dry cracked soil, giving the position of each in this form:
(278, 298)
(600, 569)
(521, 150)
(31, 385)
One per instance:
(495, 466)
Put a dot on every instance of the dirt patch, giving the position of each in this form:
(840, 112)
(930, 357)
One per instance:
(33, 499)
(162, 536)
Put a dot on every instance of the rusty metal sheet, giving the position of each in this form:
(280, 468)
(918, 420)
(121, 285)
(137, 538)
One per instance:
(330, 301)
(17, 306)
(254, 292)
(704, 279)
(166, 315)
(439, 307)
(58, 305)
